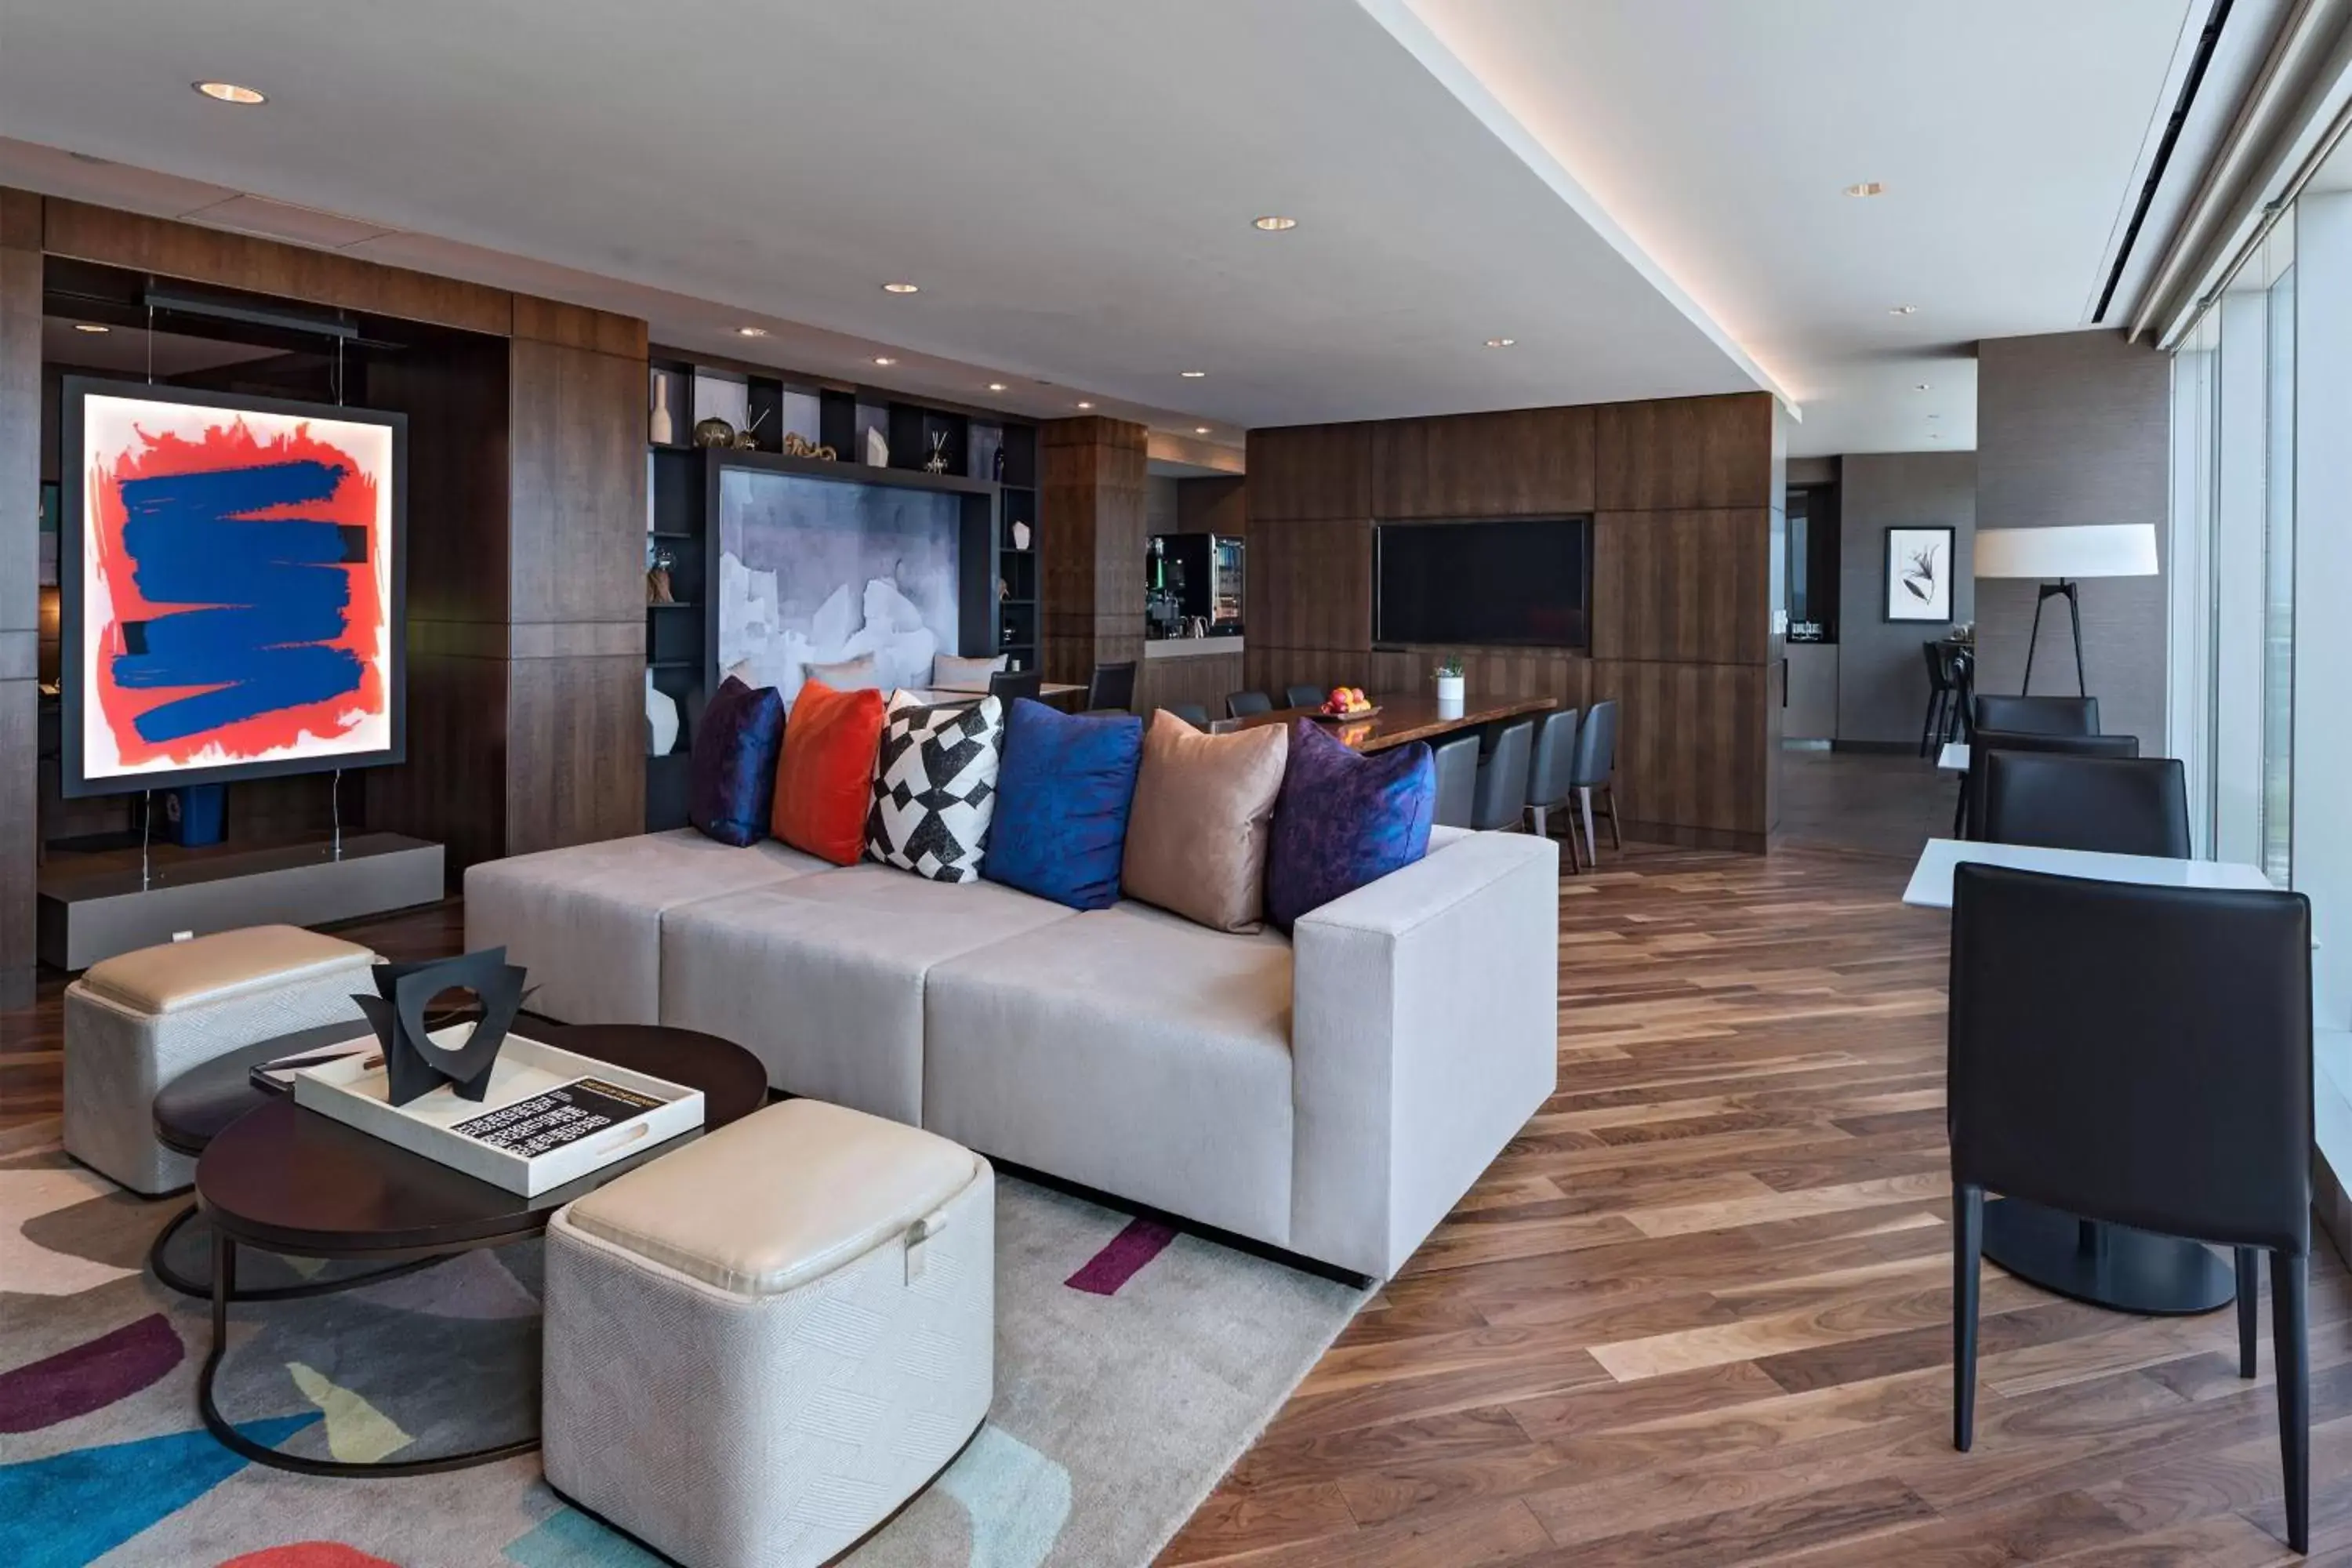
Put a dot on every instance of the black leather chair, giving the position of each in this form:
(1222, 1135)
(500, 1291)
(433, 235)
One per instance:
(1303, 696)
(1550, 769)
(1595, 768)
(1005, 685)
(2139, 1056)
(2038, 715)
(1241, 704)
(1111, 688)
(2125, 806)
(1986, 742)
(1192, 713)
(1502, 794)
(1457, 783)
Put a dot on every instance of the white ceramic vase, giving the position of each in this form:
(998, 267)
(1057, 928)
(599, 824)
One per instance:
(661, 719)
(661, 428)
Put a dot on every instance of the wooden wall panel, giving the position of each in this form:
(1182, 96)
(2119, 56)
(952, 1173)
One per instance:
(1213, 506)
(20, 545)
(1688, 586)
(1092, 538)
(578, 326)
(576, 729)
(1681, 452)
(453, 788)
(1310, 471)
(1528, 462)
(1204, 679)
(1692, 765)
(577, 519)
(1310, 585)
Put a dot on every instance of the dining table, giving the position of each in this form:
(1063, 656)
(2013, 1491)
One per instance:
(956, 690)
(1400, 717)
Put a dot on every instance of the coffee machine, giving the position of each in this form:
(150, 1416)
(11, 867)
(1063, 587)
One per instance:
(1201, 573)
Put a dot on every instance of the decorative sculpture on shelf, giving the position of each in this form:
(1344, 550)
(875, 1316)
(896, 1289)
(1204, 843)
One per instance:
(412, 1064)
(745, 441)
(713, 432)
(937, 463)
(659, 590)
(799, 446)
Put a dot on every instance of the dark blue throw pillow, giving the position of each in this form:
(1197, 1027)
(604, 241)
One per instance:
(1061, 793)
(731, 783)
(1344, 819)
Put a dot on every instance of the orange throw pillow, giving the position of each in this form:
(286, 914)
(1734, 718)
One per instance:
(825, 780)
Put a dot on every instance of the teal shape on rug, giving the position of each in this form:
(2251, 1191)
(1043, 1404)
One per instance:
(570, 1539)
(1017, 1498)
(62, 1511)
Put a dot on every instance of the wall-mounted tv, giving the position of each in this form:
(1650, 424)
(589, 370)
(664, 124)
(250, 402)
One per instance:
(232, 587)
(1515, 581)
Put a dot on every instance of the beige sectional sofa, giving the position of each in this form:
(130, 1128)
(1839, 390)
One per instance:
(1332, 1093)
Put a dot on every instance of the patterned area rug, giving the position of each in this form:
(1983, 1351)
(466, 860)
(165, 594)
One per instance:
(1133, 1366)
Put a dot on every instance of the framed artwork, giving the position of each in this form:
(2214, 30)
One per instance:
(232, 587)
(1919, 575)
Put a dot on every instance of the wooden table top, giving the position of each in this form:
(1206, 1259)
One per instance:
(291, 1179)
(980, 689)
(1406, 716)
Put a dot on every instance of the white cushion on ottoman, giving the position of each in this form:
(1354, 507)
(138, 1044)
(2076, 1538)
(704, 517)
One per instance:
(139, 1020)
(759, 1347)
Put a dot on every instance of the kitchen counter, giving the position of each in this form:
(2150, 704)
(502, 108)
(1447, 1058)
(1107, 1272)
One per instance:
(1189, 647)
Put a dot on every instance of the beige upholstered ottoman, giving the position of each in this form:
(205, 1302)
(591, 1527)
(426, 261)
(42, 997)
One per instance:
(759, 1347)
(139, 1020)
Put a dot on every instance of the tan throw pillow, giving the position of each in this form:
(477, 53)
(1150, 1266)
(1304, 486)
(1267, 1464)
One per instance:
(1196, 834)
(948, 669)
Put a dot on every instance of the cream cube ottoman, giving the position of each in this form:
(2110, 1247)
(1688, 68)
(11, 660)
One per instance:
(759, 1347)
(136, 1021)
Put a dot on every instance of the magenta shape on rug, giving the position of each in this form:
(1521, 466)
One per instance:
(89, 1377)
(1129, 1252)
(309, 1554)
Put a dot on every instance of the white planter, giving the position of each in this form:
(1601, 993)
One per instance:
(1449, 696)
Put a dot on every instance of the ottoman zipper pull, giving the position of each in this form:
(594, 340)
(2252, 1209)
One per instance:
(921, 1231)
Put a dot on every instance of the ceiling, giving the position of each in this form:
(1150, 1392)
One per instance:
(1644, 196)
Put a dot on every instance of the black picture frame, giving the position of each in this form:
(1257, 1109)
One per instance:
(1894, 608)
(73, 782)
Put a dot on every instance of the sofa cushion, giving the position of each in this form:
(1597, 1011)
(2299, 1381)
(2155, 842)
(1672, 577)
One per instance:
(935, 787)
(731, 782)
(822, 978)
(586, 920)
(1062, 797)
(951, 670)
(1196, 837)
(825, 780)
(1344, 819)
(176, 975)
(1127, 1049)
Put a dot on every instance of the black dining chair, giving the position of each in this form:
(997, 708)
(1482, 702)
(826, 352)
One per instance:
(1943, 696)
(1111, 688)
(1243, 704)
(2139, 1056)
(1501, 799)
(1968, 821)
(1303, 696)
(1457, 783)
(1004, 685)
(1552, 767)
(2038, 715)
(1595, 768)
(1192, 713)
(2124, 805)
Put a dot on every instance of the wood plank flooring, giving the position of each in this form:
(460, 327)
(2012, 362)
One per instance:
(1698, 1312)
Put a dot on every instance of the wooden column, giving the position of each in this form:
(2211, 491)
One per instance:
(20, 529)
(1092, 538)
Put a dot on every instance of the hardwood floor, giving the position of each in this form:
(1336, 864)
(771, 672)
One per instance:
(1698, 1312)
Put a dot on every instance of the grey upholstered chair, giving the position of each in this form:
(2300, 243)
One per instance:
(1502, 794)
(1551, 770)
(1595, 768)
(1111, 689)
(1457, 781)
(1192, 713)
(1241, 704)
(1301, 695)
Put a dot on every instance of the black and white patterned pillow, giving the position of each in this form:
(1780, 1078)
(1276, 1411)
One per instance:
(935, 787)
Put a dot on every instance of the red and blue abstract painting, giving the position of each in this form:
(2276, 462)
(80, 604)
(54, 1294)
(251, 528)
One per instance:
(238, 588)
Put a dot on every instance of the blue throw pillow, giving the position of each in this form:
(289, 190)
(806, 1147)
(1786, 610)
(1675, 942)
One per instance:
(1062, 794)
(1344, 819)
(731, 782)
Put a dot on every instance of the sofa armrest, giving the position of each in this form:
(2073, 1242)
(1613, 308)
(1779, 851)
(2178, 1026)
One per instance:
(1425, 1033)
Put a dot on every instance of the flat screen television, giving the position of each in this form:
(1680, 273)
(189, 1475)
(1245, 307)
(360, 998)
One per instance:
(1514, 581)
(231, 575)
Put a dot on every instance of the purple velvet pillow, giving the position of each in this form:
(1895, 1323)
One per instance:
(731, 782)
(1344, 819)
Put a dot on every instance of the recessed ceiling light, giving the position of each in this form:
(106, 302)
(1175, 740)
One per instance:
(1274, 223)
(1866, 188)
(1191, 374)
(1935, 416)
(1920, 386)
(91, 327)
(1903, 311)
(901, 289)
(1500, 343)
(1086, 405)
(884, 359)
(229, 92)
(1199, 429)
(750, 332)
(996, 386)
(1933, 436)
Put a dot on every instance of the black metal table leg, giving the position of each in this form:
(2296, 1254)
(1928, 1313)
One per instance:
(172, 1279)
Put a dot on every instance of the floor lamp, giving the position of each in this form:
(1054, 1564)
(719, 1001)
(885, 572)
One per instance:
(2059, 558)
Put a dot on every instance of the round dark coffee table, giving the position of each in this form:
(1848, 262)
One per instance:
(286, 1180)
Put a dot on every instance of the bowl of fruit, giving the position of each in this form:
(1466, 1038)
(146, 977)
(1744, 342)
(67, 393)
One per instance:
(1346, 704)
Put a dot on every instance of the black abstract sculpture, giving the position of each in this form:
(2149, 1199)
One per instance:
(412, 1064)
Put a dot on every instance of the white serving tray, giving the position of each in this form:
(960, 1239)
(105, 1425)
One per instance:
(355, 1094)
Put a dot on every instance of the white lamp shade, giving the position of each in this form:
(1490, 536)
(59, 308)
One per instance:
(2091, 550)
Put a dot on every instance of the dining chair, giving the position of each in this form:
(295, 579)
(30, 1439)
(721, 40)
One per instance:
(1595, 768)
(1549, 769)
(1457, 783)
(1192, 713)
(1969, 822)
(2038, 715)
(2124, 805)
(2140, 1055)
(1243, 704)
(1111, 688)
(1303, 696)
(1005, 685)
(1943, 696)
(1501, 798)
(1963, 689)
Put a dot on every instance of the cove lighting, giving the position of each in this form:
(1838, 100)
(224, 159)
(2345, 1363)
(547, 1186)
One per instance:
(229, 92)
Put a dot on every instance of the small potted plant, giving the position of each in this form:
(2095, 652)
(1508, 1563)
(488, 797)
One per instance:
(1449, 685)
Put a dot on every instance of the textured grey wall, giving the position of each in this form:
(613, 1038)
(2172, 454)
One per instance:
(1882, 678)
(2075, 428)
